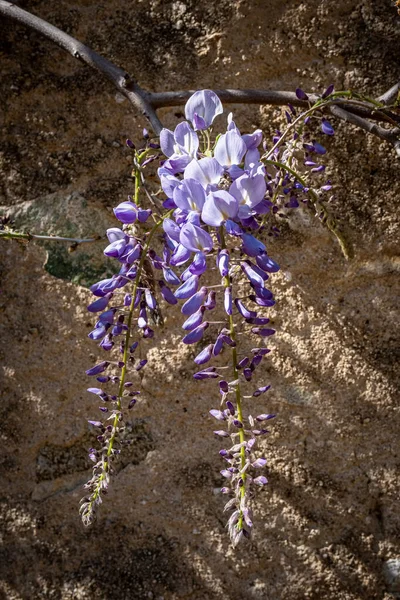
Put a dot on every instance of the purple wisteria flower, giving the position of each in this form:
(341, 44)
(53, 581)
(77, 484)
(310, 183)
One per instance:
(208, 249)
(202, 108)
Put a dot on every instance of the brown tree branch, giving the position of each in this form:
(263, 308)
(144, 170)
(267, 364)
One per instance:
(352, 110)
(117, 76)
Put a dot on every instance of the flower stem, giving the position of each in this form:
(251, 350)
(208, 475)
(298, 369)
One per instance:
(232, 332)
(318, 205)
(111, 441)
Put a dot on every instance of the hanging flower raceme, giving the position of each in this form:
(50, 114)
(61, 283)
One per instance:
(221, 198)
(213, 195)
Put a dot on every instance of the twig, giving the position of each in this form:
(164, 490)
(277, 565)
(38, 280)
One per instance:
(388, 135)
(390, 96)
(117, 76)
(356, 111)
(16, 235)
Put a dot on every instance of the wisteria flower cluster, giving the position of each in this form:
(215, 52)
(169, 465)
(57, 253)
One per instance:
(205, 248)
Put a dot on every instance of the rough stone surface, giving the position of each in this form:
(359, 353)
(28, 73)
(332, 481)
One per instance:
(328, 526)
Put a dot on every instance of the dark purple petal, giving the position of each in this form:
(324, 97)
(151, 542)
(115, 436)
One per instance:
(263, 332)
(265, 417)
(267, 264)
(262, 292)
(230, 406)
(327, 127)
(250, 273)
(328, 91)
(126, 212)
(247, 314)
(194, 320)
(99, 304)
(98, 368)
(319, 149)
(167, 294)
(193, 304)
(252, 246)
(258, 321)
(187, 289)
(243, 363)
(199, 264)
(219, 344)
(301, 94)
(210, 303)
(247, 374)
(223, 386)
(196, 334)
(204, 356)
(261, 390)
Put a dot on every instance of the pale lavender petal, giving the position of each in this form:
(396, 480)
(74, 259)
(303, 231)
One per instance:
(187, 139)
(178, 163)
(195, 238)
(253, 140)
(206, 171)
(167, 142)
(189, 195)
(230, 149)
(259, 463)
(249, 190)
(252, 158)
(171, 229)
(206, 105)
(168, 183)
(260, 480)
(228, 300)
(114, 234)
(180, 256)
(219, 207)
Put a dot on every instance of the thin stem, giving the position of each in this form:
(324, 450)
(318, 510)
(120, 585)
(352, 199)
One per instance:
(15, 235)
(238, 394)
(110, 446)
(318, 205)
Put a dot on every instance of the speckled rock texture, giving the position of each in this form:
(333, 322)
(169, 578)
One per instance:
(328, 525)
